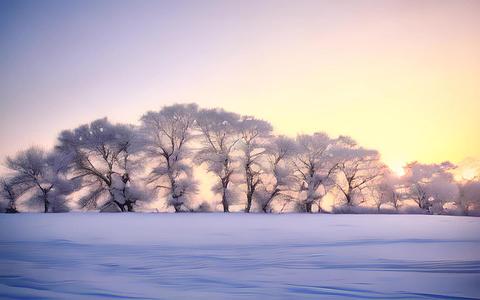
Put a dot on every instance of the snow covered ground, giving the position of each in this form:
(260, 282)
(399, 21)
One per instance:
(238, 256)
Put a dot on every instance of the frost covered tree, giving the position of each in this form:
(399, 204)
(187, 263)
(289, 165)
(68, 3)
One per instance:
(254, 136)
(9, 194)
(358, 170)
(278, 179)
(99, 163)
(37, 174)
(113, 166)
(430, 185)
(314, 168)
(469, 196)
(388, 191)
(219, 135)
(165, 137)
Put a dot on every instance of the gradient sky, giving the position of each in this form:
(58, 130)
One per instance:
(399, 76)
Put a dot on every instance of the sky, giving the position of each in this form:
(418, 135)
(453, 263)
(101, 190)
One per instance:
(402, 77)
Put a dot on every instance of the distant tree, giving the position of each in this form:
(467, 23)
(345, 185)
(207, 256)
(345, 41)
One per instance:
(469, 196)
(388, 191)
(166, 135)
(314, 168)
(9, 194)
(430, 185)
(254, 136)
(99, 162)
(358, 170)
(278, 182)
(219, 134)
(38, 174)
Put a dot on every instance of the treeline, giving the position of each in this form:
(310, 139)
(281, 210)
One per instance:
(120, 167)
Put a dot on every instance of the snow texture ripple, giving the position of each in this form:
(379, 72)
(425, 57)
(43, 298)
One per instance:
(238, 256)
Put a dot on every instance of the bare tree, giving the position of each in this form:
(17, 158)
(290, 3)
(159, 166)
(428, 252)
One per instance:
(37, 173)
(314, 168)
(358, 170)
(278, 180)
(254, 135)
(166, 135)
(99, 160)
(219, 135)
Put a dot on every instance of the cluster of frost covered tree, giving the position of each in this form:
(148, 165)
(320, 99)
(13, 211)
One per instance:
(163, 161)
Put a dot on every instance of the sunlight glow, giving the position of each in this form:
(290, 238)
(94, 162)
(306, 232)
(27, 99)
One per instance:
(468, 174)
(398, 169)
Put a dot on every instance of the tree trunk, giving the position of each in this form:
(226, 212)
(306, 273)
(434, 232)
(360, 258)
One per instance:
(120, 206)
(319, 204)
(178, 207)
(249, 202)
(308, 207)
(129, 205)
(264, 208)
(423, 204)
(273, 194)
(45, 203)
(349, 199)
(11, 210)
(224, 200)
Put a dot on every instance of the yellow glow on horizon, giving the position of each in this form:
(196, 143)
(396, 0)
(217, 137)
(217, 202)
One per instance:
(468, 174)
(398, 169)
(410, 96)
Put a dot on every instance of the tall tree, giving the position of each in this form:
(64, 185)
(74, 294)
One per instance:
(430, 185)
(278, 180)
(388, 190)
(219, 134)
(9, 193)
(469, 196)
(358, 170)
(254, 136)
(166, 136)
(38, 174)
(99, 162)
(314, 168)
